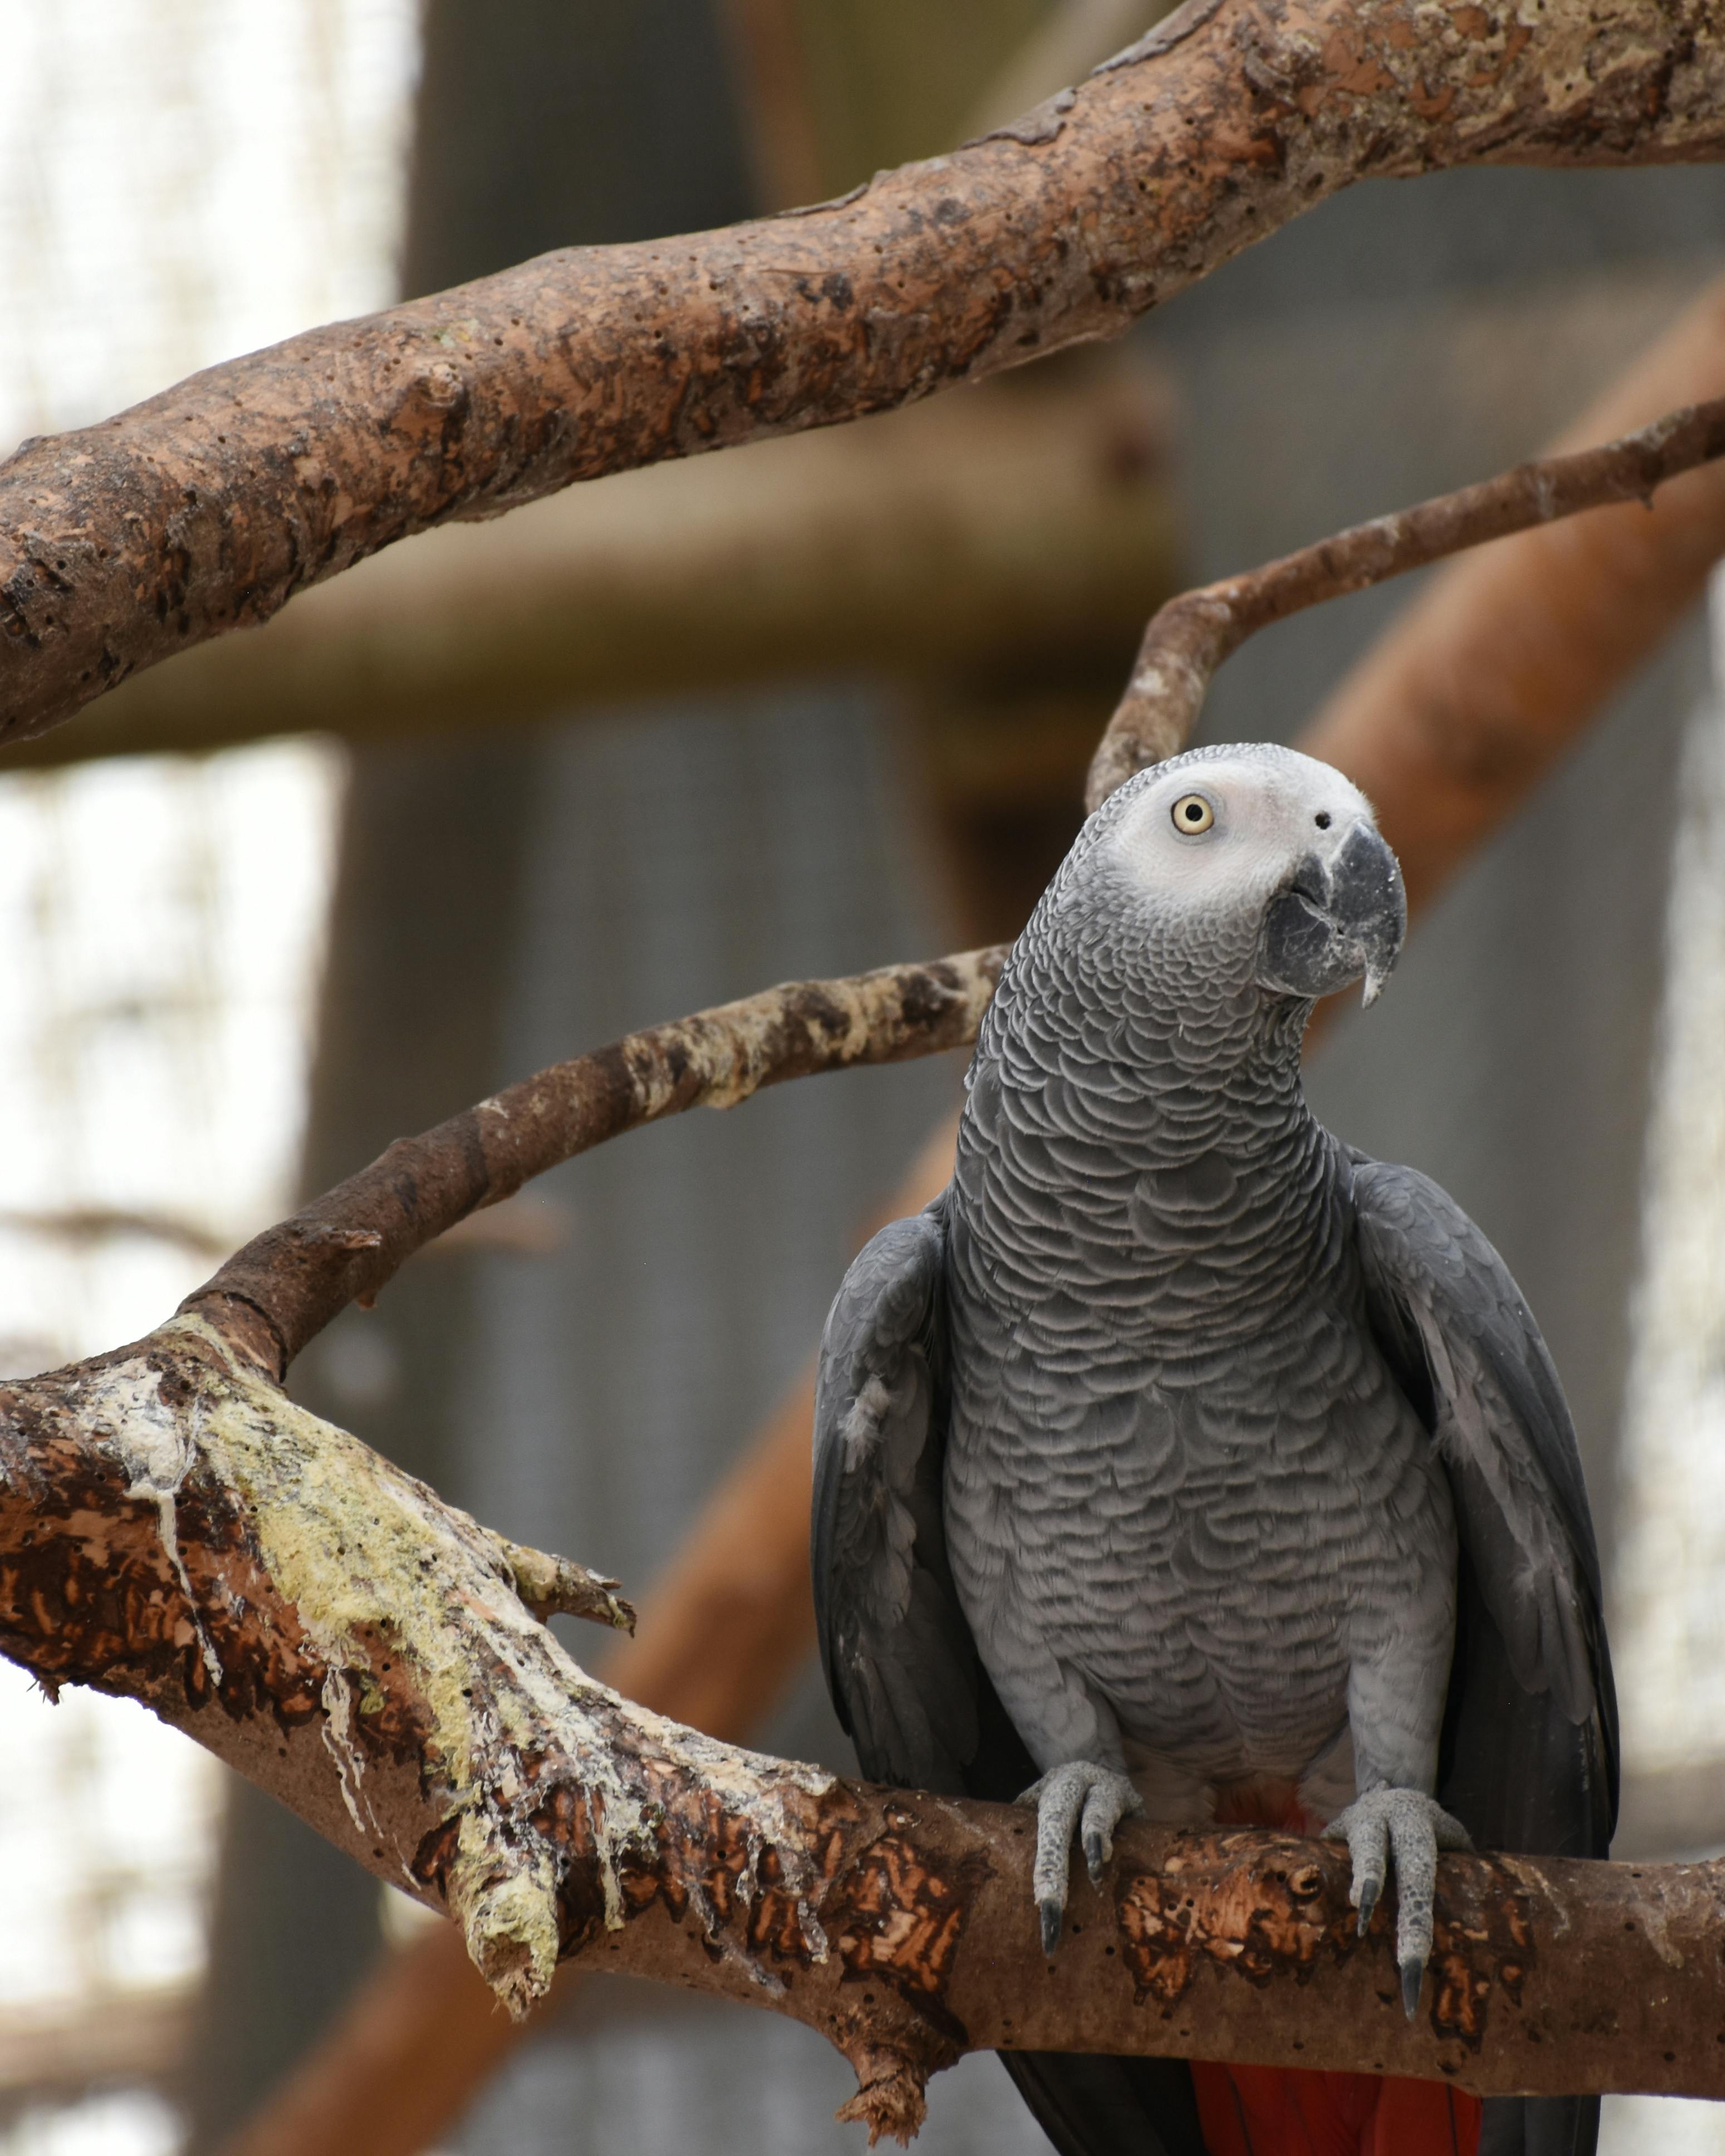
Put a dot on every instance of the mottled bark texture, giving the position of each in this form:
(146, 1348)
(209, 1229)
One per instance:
(1189, 639)
(208, 506)
(172, 1527)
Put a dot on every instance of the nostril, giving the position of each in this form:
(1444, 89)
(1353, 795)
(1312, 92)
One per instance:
(1322, 819)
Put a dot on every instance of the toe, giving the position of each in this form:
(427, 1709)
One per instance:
(1415, 1846)
(1368, 1845)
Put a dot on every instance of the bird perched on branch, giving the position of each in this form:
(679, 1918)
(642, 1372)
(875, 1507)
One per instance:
(1181, 1460)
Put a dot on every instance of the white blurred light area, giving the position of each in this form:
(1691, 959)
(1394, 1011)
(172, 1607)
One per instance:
(1670, 1574)
(123, 2122)
(180, 181)
(1669, 1617)
(161, 920)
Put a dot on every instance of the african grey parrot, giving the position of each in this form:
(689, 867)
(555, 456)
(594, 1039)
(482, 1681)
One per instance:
(1181, 1460)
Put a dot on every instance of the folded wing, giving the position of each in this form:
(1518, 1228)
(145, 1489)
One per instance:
(1529, 1760)
(900, 1660)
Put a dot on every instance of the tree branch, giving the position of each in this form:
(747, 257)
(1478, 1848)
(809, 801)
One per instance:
(282, 1289)
(1489, 676)
(1022, 527)
(724, 1631)
(1191, 636)
(171, 1527)
(208, 506)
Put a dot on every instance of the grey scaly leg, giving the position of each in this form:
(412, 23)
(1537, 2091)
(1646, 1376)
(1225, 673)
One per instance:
(1082, 1795)
(1408, 1828)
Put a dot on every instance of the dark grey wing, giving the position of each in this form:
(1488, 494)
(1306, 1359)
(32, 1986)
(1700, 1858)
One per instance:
(1529, 1759)
(899, 1658)
(1464, 1344)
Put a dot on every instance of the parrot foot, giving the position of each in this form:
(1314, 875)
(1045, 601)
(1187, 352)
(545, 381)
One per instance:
(1091, 1799)
(1409, 1828)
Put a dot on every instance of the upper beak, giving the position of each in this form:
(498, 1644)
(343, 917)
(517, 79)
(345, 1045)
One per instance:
(1338, 919)
(1368, 905)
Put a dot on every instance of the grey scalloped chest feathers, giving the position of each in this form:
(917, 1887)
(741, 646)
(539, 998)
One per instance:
(1183, 1490)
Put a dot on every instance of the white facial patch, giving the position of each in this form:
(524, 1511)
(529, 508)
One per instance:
(1268, 808)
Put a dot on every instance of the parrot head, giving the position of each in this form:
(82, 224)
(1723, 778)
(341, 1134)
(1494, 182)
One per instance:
(1273, 846)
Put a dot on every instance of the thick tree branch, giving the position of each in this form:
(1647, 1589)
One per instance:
(208, 506)
(1191, 636)
(724, 1631)
(171, 1527)
(1022, 527)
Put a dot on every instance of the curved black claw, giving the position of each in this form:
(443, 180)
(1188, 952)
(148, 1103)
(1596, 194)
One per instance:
(1413, 1976)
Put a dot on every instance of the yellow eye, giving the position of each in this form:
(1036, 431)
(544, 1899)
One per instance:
(1192, 814)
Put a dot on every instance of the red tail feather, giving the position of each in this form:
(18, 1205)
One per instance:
(1286, 2111)
(1282, 2110)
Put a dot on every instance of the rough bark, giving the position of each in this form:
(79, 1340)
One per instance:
(723, 1633)
(208, 507)
(171, 1527)
(1018, 529)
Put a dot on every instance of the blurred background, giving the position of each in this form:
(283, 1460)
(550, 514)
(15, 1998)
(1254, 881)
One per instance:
(510, 790)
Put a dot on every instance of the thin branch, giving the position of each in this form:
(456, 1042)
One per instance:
(286, 1286)
(1490, 675)
(1189, 639)
(208, 507)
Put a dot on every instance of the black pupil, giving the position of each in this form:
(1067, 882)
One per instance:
(1324, 819)
(1194, 813)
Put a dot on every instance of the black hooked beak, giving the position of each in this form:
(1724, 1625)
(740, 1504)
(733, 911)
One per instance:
(1336, 921)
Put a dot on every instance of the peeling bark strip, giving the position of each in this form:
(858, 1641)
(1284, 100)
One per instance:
(1189, 639)
(286, 1284)
(171, 1529)
(208, 507)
